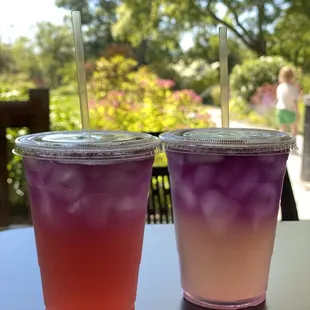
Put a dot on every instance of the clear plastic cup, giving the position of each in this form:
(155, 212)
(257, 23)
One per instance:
(226, 187)
(88, 201)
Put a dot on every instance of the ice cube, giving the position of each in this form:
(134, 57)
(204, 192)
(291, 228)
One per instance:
(273, 167)
(219, 210)
(129, 206)
(264, 204)
(229, 175)
(37, 171)
(245, 185)
(44, 203)
(66, 183)
(94, 208)
(204, 176)
(176, 158)
(186, 195)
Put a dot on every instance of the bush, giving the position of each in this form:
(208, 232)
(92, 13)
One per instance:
(305, 83)
(164, 71)
(238, 108)
(216, 95)
(20, 90)
(265, 98)
(63, 115)
(16, 180)
(140, 101)
(17, 186)
(197, 75)
(247, 77)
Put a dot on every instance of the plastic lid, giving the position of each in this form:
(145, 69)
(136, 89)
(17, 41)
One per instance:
(232, 141)
(100, 145)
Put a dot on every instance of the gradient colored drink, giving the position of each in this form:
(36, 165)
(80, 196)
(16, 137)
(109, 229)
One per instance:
(226, 203)
(89, 216)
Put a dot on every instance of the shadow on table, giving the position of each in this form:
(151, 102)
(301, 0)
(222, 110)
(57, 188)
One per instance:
(185, 305)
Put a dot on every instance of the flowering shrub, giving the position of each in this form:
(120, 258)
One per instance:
(265, 97)
(246, 78)
(130, 98)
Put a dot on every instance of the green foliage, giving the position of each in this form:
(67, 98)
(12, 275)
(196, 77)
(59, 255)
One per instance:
(206, 46)
(247, 77)
(64, 115)
(20, 90)
(238, 108)
(46, 60)
(98, 17)
(216, 95)
(167, 71)
(25, 60)
(55, 53)
(291, 39)
(305, 83)
(16, 178)
(197, 75)
(247, 20)
(131, 98)
(6, 61)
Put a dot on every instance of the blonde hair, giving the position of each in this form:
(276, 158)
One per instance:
(286, 75)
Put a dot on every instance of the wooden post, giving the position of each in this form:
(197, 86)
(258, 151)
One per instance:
(33, 114)
(4, 199)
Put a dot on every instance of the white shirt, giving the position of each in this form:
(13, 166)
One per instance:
(287, 96)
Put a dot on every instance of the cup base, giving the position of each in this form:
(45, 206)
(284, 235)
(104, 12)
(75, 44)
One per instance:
(216, 304)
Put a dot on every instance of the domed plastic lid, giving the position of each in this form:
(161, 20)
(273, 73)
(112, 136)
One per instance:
(231, 141)
(98, 145)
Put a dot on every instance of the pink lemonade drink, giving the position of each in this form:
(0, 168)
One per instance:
(88, 203)
(226, 188)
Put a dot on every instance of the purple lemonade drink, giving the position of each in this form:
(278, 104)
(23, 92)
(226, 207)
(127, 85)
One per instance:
(226, 187)
(88, 202)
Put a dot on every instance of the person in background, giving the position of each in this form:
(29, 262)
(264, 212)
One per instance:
(287, 101)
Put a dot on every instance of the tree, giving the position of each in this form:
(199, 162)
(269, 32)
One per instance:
(206, 46)
(300, 6)
(100, 17)
(55, 51)
(6, 61)
(97, 19)
(291, 39)
(249, 21)
(155, 28)
(25, 59)
(154, 38)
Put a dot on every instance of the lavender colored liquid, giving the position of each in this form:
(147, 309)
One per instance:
(225, 211)
(89, 223)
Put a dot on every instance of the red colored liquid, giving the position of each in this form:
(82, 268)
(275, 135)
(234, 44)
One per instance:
(89, 223)
(91, 270)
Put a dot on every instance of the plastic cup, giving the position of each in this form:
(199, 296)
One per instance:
(226, 187)
(88, 203)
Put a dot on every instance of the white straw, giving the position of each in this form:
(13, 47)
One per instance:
(80, 68)
(223, 51)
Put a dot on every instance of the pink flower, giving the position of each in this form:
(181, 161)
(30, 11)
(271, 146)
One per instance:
(92, 103)
(189, 93)
(165, 83)
(265, 96)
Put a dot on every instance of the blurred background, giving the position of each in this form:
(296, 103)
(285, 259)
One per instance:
(152, 65)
